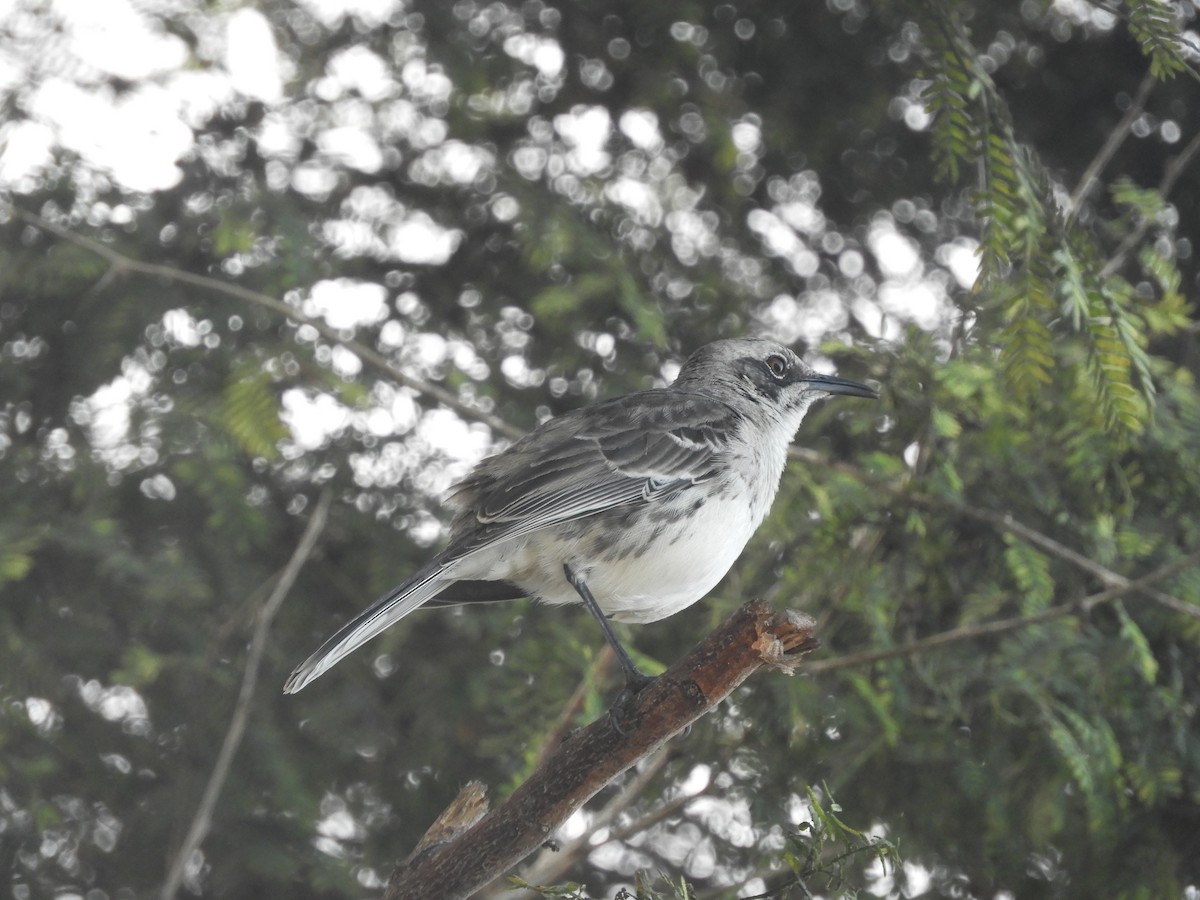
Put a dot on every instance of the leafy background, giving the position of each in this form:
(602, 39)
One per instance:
(234, 387)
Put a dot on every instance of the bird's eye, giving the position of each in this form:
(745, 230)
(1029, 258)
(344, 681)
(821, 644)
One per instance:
(777, 364)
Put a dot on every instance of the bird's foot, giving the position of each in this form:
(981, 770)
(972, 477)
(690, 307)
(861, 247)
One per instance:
(622, 713)
(636, 681)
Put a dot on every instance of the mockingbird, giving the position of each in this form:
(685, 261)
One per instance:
(636, 506)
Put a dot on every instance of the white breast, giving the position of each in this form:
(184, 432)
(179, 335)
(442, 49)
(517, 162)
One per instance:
(688, 559)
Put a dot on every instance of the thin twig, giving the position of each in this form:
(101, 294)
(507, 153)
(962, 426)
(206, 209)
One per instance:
(1107, 576)
(999, 626)
(1175, 168)
(369, 357)
(1003, 522)
(658, 814)
(1120, 12)
(574, 705)
(202, 819)
(549, 867)
(1178, 165)
(1115, 138)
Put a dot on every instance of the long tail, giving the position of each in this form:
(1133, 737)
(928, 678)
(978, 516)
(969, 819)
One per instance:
(391, 607)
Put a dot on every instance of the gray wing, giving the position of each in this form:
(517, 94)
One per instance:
(629, 450)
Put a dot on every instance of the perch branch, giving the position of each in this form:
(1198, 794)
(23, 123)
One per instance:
(588, 759)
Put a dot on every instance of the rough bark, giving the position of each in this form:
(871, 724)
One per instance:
(592, 756)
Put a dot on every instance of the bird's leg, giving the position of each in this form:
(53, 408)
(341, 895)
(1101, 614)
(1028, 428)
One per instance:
(635, 678)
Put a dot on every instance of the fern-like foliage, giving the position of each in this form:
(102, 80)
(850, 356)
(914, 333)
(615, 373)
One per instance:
(1153, 25)
(1031, 570)
(251, 411)
(1116, 358)
(948, 98)
(1090, 752)
(1040, 271)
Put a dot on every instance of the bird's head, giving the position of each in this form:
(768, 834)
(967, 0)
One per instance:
(765, 372)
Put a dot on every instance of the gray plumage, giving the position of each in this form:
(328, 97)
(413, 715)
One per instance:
(649, 497)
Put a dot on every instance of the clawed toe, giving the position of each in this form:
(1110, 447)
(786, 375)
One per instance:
(622, 712)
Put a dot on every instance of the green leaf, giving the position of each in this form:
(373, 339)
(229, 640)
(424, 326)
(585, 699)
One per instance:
(251, 412)
(1031, 571)
(647, 315)
(16, 556)
(944, 424)
(1143, 655)
(1153, 25)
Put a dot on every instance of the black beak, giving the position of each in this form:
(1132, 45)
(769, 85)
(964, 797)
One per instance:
(832, 385)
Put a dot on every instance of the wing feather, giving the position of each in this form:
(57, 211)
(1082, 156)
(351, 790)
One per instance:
(626, 451)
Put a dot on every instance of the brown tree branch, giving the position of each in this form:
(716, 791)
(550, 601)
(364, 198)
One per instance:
(467, 808)
(591, 757)
(202, 818)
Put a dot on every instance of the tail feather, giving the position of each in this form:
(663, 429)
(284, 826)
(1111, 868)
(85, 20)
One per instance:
(391, 607)
(459, 593)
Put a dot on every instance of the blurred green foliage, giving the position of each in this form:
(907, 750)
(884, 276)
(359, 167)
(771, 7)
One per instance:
(558, 204)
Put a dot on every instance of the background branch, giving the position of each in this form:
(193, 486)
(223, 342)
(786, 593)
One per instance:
(241, 711)
(1115, 138)
(371, 358)
(1006, 523)
(1175, 168)
(999, 626)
